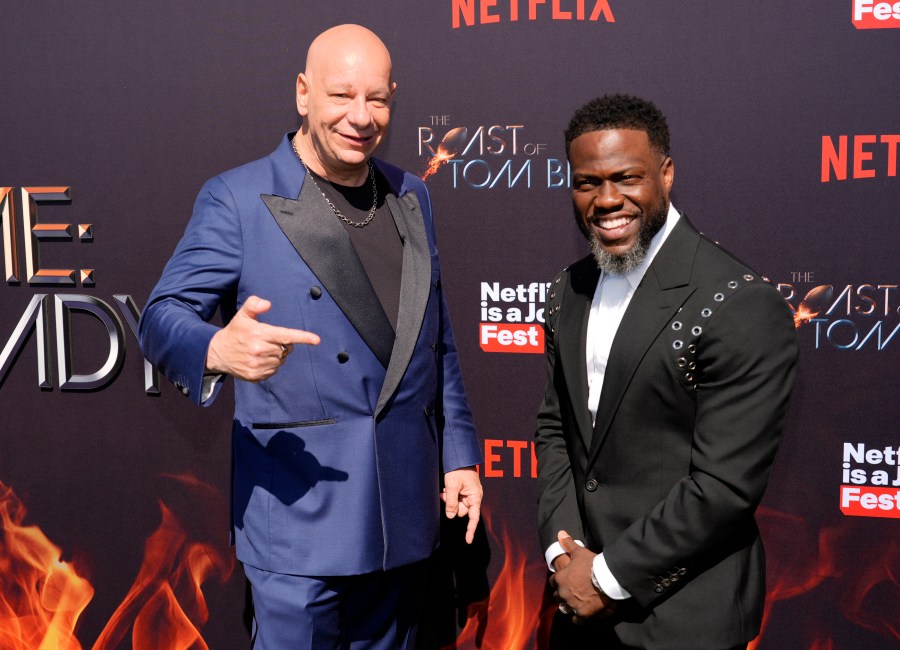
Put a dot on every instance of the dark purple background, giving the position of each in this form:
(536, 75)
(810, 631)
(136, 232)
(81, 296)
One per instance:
(134, 108)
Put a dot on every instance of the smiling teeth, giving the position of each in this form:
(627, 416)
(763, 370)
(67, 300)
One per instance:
(615, 223)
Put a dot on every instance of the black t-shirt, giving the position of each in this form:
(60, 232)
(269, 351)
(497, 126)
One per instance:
(377, 244)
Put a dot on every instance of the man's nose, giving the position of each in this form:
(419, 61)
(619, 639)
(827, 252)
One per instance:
(359, 114)
(608, 196)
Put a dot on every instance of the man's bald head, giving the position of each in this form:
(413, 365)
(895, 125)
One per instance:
(344, 97)
(353, 42)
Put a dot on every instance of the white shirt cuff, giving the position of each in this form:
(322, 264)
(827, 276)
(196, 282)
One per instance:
(608, 583)
(209, 384)
(554, 551)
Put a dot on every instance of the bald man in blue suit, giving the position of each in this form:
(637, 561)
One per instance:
(351, 421)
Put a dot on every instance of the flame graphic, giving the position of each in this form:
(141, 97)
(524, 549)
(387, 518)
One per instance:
(509, 618)
(448, 148)
(869, 582)
(814, 303)
(41, 597)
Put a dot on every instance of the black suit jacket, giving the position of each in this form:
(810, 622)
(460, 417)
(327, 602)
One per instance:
(666, 481)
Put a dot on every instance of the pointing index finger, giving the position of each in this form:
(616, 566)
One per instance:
(288, 336)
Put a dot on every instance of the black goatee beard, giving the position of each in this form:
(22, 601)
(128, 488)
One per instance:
(630, 259)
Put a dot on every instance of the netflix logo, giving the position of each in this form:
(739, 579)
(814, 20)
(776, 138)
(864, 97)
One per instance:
(859, 156)
(467, 13)
(512, 318)
(870, 481)
(509, 459)
(870, 14)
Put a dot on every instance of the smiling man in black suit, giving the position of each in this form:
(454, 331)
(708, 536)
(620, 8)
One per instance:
(670, 365)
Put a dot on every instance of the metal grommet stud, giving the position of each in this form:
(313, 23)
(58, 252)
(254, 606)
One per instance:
(696, 330)
(732, 285)
(676, 325)
(681, 363)
(719, 297)
(677, 344)
(706, 312)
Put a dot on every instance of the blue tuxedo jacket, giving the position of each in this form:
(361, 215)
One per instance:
(337, 457)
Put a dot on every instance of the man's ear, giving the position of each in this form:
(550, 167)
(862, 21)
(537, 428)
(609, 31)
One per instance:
(668, 172)
(302, 94)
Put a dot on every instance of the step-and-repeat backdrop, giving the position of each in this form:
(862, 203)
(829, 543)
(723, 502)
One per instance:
(114, 488)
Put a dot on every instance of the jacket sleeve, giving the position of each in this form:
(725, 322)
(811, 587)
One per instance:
(557, 500)
(460, 445)
(746, 359)
(201, 275)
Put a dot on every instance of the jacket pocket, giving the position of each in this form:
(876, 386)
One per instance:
(292, 425)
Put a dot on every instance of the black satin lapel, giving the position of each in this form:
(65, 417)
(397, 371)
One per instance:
(321, 241)
(572, 324)
(415, 285)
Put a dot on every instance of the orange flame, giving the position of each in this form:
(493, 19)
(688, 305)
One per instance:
(803, 315)
(822, 644)
(830, 555)
(41, 596)
(165, 603)
(508, 619)
(438, 159)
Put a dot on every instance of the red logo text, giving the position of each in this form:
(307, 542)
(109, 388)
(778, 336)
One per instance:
(840, 159)
(467, 13)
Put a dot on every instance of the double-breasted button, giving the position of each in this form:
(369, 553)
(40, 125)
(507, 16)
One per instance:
(343, 357)
(591, 485)
(315, 292)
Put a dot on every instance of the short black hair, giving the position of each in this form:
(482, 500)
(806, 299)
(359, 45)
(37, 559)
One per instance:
(621, 112)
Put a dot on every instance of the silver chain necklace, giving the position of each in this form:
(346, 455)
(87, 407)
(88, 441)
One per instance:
(338, 213)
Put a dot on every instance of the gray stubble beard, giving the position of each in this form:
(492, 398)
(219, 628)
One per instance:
(630, 259)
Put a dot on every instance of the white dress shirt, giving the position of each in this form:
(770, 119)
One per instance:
(611, 298)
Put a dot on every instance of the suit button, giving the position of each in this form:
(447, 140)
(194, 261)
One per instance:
(591, 485)
(315, 292)
(343, 357)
